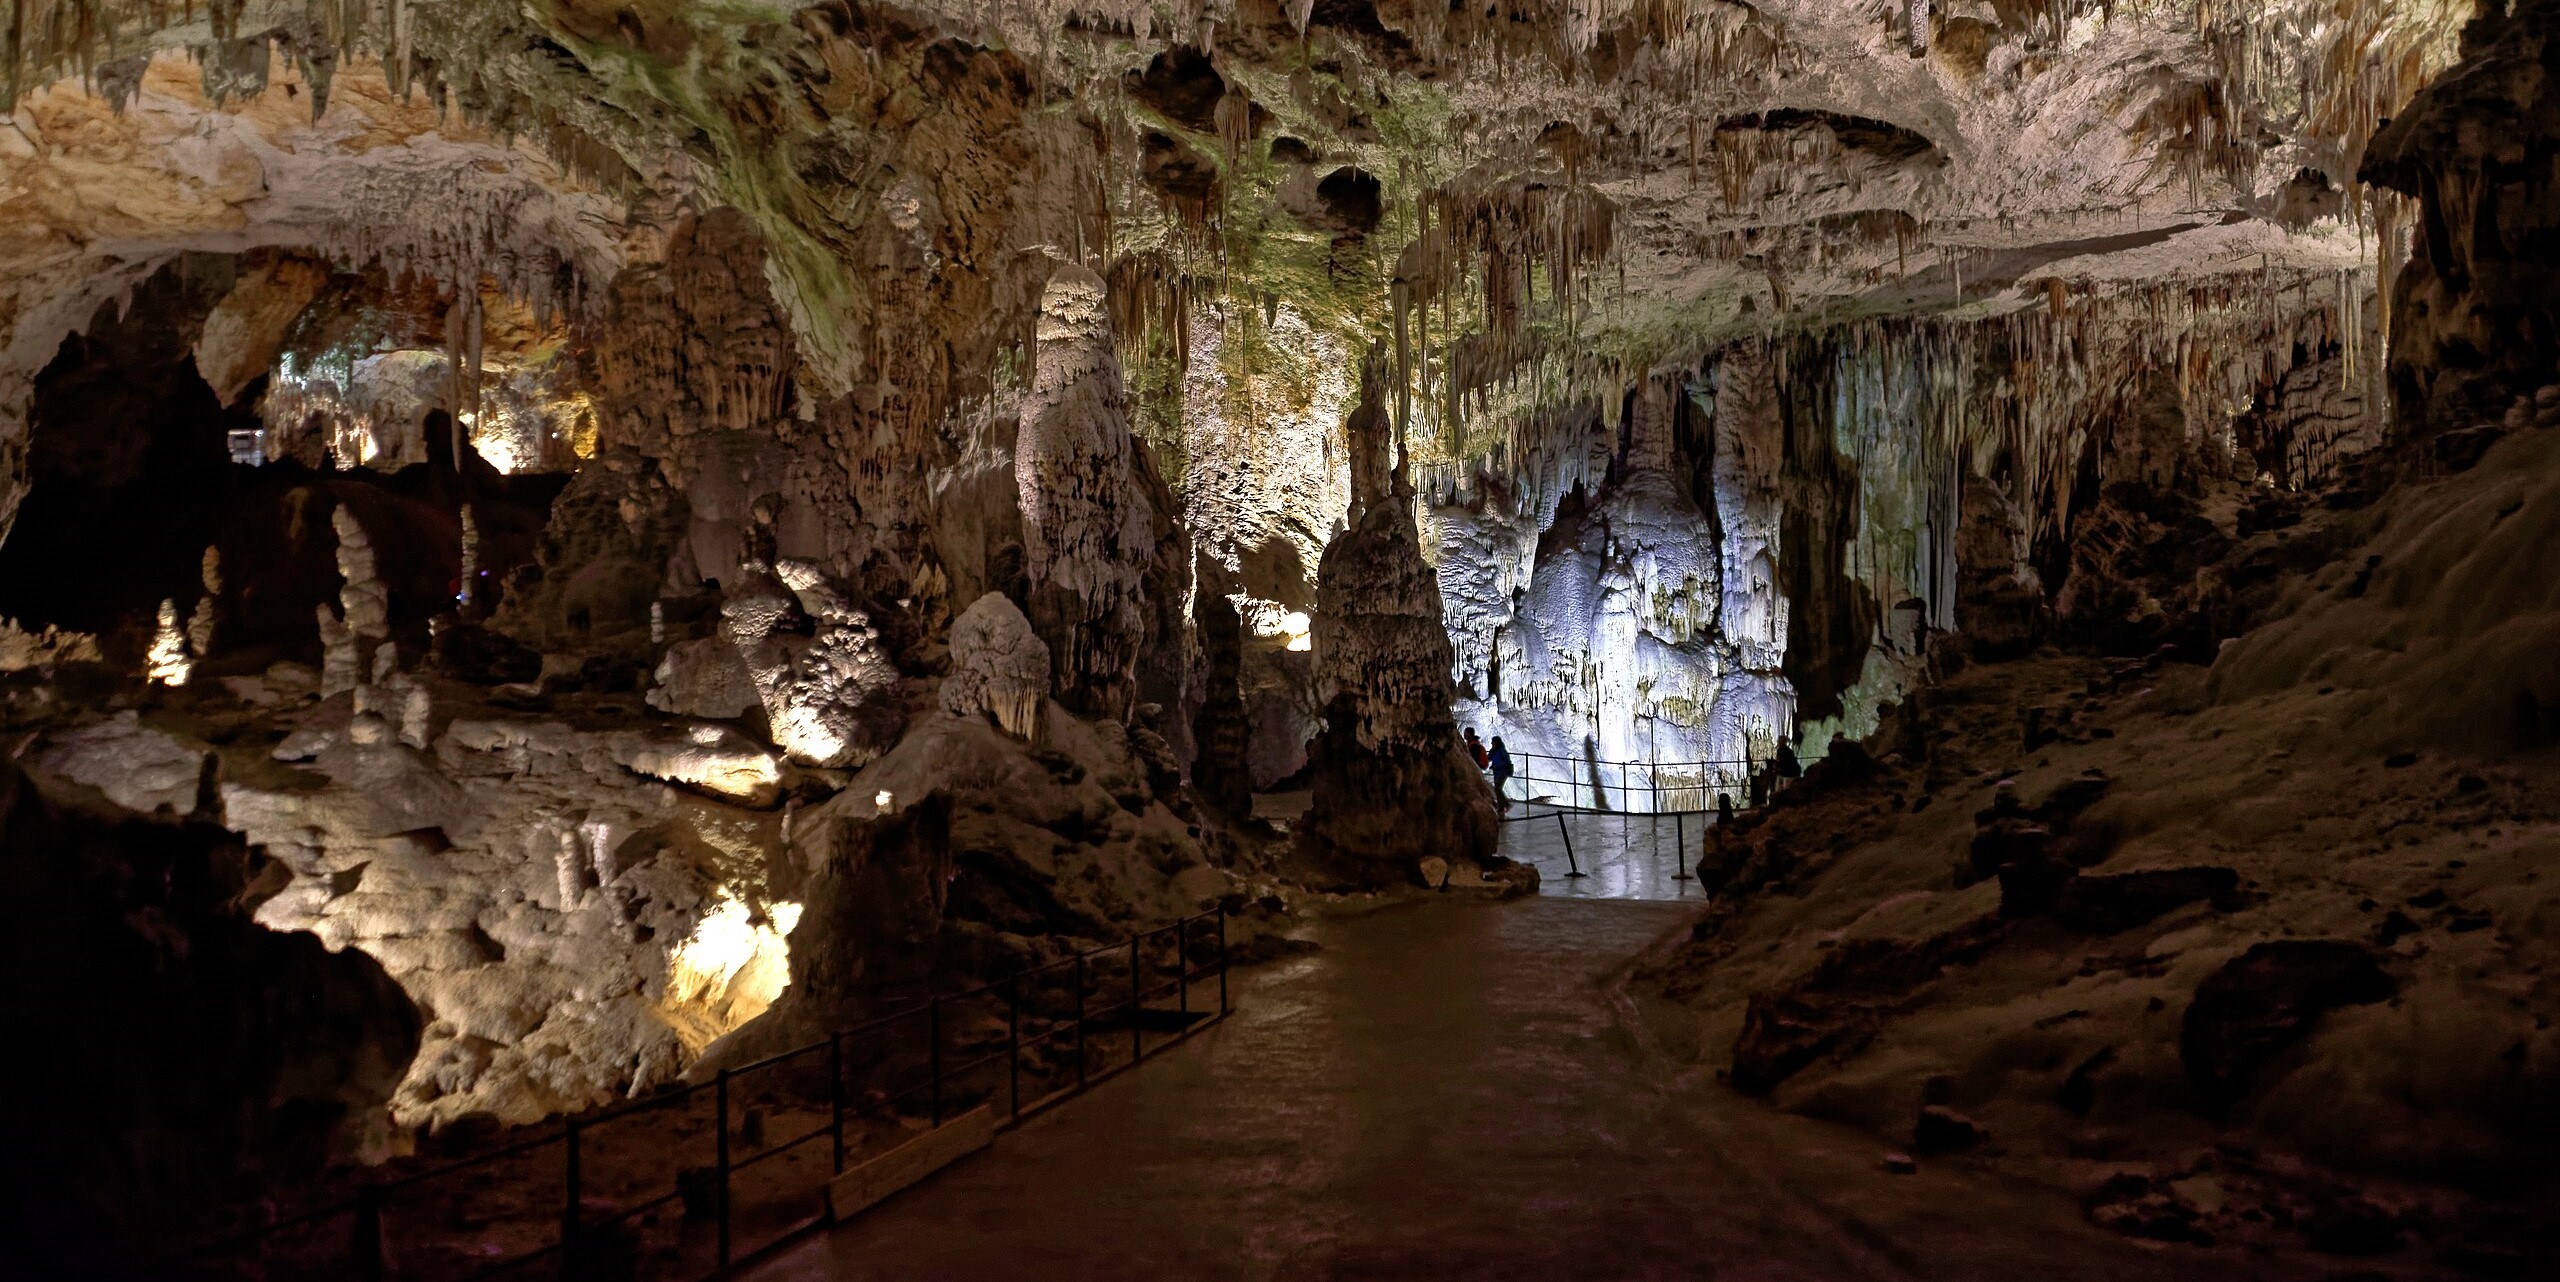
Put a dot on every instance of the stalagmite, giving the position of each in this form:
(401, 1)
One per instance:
(168, 664)
(569, 863)
(1085, 529)
(999, 667)
(200, 625)
(470, 593)
(597, 836)
(416, 708)
(366, 602)
(1390, 783)
(827, 697)
(340, 670)
(1222, 727)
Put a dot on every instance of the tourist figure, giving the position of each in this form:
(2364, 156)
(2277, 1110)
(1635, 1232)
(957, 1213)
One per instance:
(1475, 748)
(1500, 759)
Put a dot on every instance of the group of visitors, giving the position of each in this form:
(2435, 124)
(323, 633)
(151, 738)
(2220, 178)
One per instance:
(1496, 759)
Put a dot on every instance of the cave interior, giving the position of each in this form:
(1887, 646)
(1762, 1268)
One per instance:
(1960, 590)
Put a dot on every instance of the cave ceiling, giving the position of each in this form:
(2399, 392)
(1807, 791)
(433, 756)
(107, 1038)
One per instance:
(1548, 193)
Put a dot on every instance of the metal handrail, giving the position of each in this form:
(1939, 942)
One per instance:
(1698, 784)
(366, 1247)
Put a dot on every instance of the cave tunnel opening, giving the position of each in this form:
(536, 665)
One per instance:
(137, 465)
(128, 461)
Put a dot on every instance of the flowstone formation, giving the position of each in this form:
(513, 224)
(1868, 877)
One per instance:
(1389, 784)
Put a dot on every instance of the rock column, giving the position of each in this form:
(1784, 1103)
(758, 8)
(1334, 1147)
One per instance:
(1392, 786)
(1086, 531)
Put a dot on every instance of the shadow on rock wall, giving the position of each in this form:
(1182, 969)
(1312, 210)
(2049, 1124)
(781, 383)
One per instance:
(169, 1050)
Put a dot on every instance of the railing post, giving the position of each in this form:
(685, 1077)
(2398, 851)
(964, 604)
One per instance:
(720, 1158)
(1679, 846)
(1013, 1041)
(933, 1021)
(1567, 834)
(1222, 957)
(1136, 1042)
(569, 1204)
(1080, 1067)
(835, 1093)
(364, 1241)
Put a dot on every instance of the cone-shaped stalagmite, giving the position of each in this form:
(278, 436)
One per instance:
(1391, 784)
(1085, 529)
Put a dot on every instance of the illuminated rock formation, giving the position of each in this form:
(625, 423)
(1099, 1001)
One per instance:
(200, 624)
(167, 664)
(1084, 527)
(999, 667)
(830, 697)
(367, 605)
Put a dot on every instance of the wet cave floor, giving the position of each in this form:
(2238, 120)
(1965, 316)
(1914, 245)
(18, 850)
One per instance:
(1461, 1090)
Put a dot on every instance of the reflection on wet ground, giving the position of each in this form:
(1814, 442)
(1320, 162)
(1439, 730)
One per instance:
(1455, 1091)
(1619, 856)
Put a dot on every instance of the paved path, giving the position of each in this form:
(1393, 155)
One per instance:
(1448, 1092)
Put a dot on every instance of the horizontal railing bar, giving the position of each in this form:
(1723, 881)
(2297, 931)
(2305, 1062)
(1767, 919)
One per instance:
(641, 1208)
(777, 1150)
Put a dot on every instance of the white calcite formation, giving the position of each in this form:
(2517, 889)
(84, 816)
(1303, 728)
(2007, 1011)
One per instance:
(139, 767)
(999, 667)
(341, 671)
(1085, 527)
(1632, 625)
(704, 678)
(560, 918)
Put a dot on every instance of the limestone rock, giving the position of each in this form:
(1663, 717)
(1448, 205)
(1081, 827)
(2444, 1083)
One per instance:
(200, 624)
(246, 330)
(171, 1008)
(2262, 1002)
(829, 699)
(21, 649)
(999, 667)
(713, 758)
(1221, 729)
(136, 766)
(704, 678)
(167, 663)
(569, 920)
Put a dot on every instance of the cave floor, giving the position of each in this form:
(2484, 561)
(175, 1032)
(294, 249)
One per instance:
(1458, 1091)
